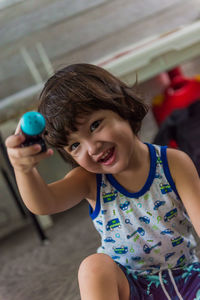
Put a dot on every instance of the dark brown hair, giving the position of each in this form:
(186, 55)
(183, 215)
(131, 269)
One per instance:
(81, 89)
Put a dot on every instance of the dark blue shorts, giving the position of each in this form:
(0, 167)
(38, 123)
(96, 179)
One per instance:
(175, 284)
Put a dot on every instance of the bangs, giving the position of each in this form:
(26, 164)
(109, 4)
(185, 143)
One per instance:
(77, 91)
(62, 122)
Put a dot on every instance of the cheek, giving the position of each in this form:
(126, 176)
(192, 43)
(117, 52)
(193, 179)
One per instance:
(88, 164)
(82, 160)
(77, 160)
(123, 135)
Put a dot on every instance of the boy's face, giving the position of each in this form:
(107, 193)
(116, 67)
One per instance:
(104, 143)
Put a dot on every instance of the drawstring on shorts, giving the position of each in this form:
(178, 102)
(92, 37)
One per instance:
(173, 282)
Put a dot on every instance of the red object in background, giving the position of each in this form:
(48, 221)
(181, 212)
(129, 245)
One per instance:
(180, 93)
(173, 144)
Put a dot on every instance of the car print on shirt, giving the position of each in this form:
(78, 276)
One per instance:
(144, 219)
(158, 203)
(124, 206)
(136, 258)
(109, 197)
(148, 249)
(181, 261)
(121, 250)
(168, 255)
(177, 241)
(188, 244)
(165, 188)
(170, 215)
(167, 231)
(99, 222)
(109, 239)
(112, 224)
(115, 257)
(140, 230)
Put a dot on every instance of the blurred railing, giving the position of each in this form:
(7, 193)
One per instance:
(142, 60)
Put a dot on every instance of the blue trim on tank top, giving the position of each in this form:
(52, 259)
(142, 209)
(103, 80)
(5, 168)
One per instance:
(148, 182)
(163, 156)
(113, 181)
(94, 214)
(146, 187)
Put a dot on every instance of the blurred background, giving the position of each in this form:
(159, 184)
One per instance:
(143, 39)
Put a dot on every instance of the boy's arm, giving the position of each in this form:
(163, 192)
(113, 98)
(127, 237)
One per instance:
(61, 195)
(187, 182)
(77, 185)
(39, 197)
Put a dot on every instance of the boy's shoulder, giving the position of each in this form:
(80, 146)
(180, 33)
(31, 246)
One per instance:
(83, 177)
(176, 155)
(81, 173)
(179, 162)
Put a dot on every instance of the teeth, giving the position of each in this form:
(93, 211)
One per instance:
(105, 154)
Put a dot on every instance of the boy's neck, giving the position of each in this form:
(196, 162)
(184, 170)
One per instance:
(135, 176)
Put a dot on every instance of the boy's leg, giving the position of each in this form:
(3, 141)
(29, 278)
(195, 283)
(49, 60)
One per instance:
(100, 278)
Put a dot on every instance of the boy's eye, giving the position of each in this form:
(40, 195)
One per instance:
(94, 125)
(74, 146)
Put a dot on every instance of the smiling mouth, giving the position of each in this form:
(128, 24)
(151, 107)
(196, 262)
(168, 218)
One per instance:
(107, 157)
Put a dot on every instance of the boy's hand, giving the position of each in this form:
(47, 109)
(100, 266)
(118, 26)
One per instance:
(26, 158)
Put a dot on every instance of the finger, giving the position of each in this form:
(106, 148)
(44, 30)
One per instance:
(18, 129)
(30, 161)
(14, 141)
(35, 159)
(42, 155)
(28, 152)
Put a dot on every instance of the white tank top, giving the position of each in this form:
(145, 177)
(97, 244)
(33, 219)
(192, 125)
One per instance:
(147, 231)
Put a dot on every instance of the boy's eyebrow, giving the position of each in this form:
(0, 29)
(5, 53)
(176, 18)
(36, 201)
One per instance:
(70, 138)
(79, 122)
(69, 141)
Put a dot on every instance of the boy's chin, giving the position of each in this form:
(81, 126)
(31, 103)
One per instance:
(114, 170)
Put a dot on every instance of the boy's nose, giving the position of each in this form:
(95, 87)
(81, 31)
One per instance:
(94, 148)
